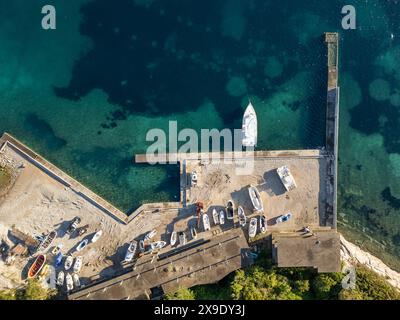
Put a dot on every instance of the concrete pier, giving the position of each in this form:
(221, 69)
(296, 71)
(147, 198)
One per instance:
(332, 120)
(225, 248)
(9, 141)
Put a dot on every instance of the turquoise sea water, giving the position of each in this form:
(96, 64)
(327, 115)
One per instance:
(85, 95)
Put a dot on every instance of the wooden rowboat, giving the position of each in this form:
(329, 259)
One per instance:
(47, 241)
(37, 266)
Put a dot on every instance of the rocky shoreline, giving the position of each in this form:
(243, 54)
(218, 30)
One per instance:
(352, 254)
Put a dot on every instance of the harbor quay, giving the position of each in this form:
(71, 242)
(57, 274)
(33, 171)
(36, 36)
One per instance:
(294, 218)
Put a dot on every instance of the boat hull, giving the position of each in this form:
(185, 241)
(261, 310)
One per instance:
(230, 208)
(242, 217)
(253, 228)
(263, 224)
(255, 198)
(215, 217)
(249, 127)
(97, 236)
(37, 266)
(173, 238)
(47, 241)
(82, 245)
(206, 222)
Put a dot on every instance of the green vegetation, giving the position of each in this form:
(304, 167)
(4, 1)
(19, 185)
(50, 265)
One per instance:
(181, 294)
(370, 286)
(33, 290)
(263, 281)
(5, 178)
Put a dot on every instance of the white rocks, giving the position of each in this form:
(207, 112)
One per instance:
(352, 254)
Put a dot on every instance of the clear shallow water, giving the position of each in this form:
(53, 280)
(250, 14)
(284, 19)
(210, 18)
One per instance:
(85, 95)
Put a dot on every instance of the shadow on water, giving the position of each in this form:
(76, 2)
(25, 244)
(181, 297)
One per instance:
(43, 131)
(145, 60)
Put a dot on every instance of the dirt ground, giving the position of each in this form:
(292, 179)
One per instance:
(217, 183)
(38, 204)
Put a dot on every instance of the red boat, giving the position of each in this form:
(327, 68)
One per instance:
(37, 266)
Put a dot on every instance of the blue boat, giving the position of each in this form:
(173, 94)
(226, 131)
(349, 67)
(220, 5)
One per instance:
(58, 259)
(284, 218)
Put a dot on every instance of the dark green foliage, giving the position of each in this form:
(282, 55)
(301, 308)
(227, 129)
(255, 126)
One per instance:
(7, 295)
(180, 294)
(327, 285)
(258, 284)
(302, 286)
(350, 294)
(263, 281)
(33, 290)
(213, 292)
(370, 286)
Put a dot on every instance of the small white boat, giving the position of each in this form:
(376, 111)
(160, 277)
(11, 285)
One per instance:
(193, 232)
(77, 282)
(284, 217)
(157, 245)
(182, 238)
(130, 252)
(230, 208)
(253, 227)
(60, 278)
(194, 178)
(82, 245)
(242, 216)
(57, 249)
(249, 127)
(287, 178)
(222, 217)
(68, 262)
(256, 198)
(78, 264)
(97, 235)
(69, 282)
(173, 238)
(150, 235)
(141, 245)
(263, 224)
(215, 216)
(206, 222)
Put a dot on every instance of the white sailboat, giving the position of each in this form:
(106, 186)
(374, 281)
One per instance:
(256, 198)
(70, 283)
(78, 264)
(253, 227)
(173, 238)
(215, 216)
(242, 216)
(221, 217)
(77, 282)
(157, 245)
(130, 252)
(60, 278)
(68, 262)
(206, 222)
(249, 127)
